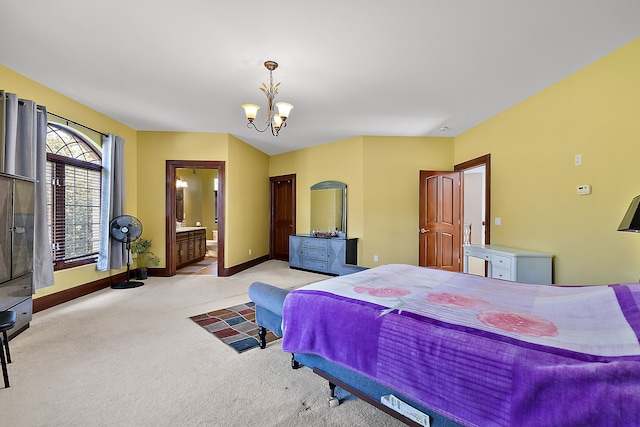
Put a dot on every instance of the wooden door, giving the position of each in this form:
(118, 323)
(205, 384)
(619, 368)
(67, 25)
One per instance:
(283, 215)
(440, 227)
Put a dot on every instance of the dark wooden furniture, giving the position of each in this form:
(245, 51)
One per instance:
(191, 246)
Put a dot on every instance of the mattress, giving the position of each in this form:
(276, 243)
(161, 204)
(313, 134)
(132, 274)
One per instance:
(479, 351)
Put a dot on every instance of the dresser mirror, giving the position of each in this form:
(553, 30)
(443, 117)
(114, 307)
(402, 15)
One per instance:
(329, 206)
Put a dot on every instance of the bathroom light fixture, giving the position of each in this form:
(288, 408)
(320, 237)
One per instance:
(181, 184)
(275, 121)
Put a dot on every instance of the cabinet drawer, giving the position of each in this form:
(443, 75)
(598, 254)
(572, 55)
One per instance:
(314, 243)
(500, 273)
(24, 312)
(501, 261)
(314, 264)
(315, 253)
(14, 291)
(477, 254)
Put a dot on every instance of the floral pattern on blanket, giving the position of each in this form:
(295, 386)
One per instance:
(456, 300)
(518, 323)
(561, 317)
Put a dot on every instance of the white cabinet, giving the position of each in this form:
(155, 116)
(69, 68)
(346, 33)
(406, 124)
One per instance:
(322, 255)
(516, 265)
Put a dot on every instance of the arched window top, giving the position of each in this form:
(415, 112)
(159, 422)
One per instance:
(65, 141)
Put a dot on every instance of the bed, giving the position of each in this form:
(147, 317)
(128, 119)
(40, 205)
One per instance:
(469, 350)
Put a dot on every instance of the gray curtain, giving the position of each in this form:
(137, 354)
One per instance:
(24, 125)
(112, 253)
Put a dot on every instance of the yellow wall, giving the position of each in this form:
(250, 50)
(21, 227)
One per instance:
(382, 177)
(335, 161)
(392, 176)
(155, 148)
(246, 196)
(594, 112)
(247, 207)
(56, 103)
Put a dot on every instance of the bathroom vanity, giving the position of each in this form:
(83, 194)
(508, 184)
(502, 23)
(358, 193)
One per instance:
(190, 245)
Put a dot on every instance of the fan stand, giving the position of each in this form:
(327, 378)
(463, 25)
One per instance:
(128, 284)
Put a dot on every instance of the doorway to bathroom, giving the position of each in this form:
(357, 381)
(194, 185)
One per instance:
(195, 217)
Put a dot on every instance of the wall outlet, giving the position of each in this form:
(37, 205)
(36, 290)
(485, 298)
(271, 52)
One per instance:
(498, 221)
(577, 160)
(249, 251)
(375, 258)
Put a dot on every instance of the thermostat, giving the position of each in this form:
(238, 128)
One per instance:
(584, 190)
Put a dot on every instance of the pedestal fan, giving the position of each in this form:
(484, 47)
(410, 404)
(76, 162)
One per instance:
(126, 229)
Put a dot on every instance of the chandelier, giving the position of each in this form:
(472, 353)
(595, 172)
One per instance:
(275, 121)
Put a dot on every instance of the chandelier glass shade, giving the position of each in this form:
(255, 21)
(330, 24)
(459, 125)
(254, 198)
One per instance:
(275, 120)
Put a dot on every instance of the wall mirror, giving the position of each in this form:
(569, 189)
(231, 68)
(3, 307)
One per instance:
(197, 197)
(180, 186)
(329, 206)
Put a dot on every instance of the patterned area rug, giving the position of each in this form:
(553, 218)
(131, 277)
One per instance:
(234, 326)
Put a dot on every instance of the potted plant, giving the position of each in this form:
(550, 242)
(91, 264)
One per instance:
(144, 257)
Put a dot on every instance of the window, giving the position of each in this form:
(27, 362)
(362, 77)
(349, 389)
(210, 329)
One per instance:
(74, 169)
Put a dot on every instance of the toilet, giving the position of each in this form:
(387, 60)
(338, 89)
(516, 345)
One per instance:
(212, 245)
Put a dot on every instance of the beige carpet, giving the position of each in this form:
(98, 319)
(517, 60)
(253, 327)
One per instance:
(134, 358)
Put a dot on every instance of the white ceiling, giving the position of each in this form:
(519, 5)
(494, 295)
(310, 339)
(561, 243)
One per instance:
(350, 68)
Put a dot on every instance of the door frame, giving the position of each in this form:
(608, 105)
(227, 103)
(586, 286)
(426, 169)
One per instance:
(272, 181)
(170, 209)
(470, 164)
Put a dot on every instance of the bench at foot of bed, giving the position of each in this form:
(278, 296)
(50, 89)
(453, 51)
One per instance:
(269, 301)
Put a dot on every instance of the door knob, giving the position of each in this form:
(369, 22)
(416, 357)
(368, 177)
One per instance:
(422, 230)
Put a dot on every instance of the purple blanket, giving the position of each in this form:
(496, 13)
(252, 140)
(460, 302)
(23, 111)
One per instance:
(480, 351)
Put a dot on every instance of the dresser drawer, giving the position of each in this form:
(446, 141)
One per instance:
(314, 253)
(314, 243)
(24, 312)
(14, 291)
(501, 261)
(500, 273)
(316, 265)
(478, 254)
